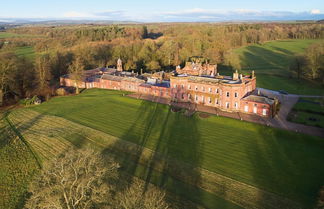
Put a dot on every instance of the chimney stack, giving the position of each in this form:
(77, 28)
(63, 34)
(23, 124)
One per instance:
(235, 75)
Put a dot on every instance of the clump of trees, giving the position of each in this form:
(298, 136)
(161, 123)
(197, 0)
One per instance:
(86, 179)
(311, 64)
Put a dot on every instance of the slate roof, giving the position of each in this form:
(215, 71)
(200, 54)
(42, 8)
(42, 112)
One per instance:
(259, 99)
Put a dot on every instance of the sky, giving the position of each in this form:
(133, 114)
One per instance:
(166, 10)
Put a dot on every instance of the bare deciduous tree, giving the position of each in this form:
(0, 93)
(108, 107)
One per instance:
(76, 70)
(76, 179)
(43, 72)
(136, 196)
(314, 55)
(7, 65)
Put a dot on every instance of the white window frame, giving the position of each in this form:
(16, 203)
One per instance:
(246, 108)
(227, 105)
(264, 111)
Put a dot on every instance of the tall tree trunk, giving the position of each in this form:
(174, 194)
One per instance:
(1, 97)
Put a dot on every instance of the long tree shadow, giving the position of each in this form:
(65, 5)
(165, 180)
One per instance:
(257, 57)
(172, 139)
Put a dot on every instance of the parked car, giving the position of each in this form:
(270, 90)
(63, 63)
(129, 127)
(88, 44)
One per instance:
(283, 92)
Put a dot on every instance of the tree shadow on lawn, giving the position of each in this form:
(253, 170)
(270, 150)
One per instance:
(288, 165)
(170, 136)
(257, 57)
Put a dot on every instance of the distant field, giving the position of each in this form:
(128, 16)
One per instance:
(271, 61)
(282, 162)
(14, 35)
(26, 51)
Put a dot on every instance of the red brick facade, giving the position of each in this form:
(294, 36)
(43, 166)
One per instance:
(226, 93)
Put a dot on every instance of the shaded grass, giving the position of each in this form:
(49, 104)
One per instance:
(18, 166)
(278, 161)
(271, 61)
(308, 111)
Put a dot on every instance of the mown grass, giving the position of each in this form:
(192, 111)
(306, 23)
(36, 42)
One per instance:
(18, 166)
(50, 135)
(271, 61)
(286, 163)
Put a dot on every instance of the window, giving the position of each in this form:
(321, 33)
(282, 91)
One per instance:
(227, 94)
(196, 98)
(209, 100)
(255, 108)
(264, 111)
(196, 88)
(217, 91)
(202, 99)
(246, 108)
(203, 88)
(175, 95)
(236, 94)
(189, 87)
(182, 96)
(227, 105)
(216, 101)
(189, 96)
(236, 105)
(182, 86)
(175, 85)
(210, 90)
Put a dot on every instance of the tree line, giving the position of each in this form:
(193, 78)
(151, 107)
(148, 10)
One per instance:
(143, 48)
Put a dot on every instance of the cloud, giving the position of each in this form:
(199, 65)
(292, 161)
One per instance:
(315, 11)
(196, 15)
(73, 14)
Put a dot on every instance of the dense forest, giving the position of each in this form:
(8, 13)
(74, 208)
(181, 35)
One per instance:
(150, 47)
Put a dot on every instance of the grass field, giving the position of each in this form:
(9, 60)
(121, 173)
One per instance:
(271, 61)
(285, 163)
(17, 168)
(26, 51)
(308, 111)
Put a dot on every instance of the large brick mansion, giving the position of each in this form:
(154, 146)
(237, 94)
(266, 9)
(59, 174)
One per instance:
(197, 83)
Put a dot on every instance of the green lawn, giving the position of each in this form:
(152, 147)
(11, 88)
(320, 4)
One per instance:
(282, 162)
(308, 111)
(271, 61)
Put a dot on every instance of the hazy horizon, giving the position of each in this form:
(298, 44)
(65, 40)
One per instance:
(162, 11)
